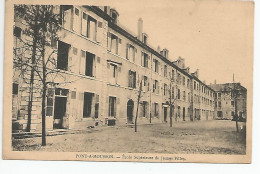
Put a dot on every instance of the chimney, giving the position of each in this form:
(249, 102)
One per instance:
(107, 10)
(158, 49)
(140, 28)
(197, 73)
(215, 81)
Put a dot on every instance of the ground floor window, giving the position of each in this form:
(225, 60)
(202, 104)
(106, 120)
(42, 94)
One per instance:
(88, 97)
(156, 109)
(112, 106)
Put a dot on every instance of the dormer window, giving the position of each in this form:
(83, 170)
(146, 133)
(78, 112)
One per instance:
(114, 14)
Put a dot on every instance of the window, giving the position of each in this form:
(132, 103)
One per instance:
(165, 89)
(183, 81)
(114, 70)
(88, 97)
(113, 43)
(156, 65)
(112, 106)
(84, 24)
(76, 21)
(132, 79)
(91, 28)
(89, 68)
(66, 16)
(165, 70)
(114, 16)
(15, 88)
(144, 59)
(49, 105)
(179, 94)
(145, 82)
(156, 86)
(173, 75)
(219, 104)
(63, 53)
(17, 31)
(188, 83)
(173, 93)
(194, 86)
(179, 78)
(131, 52)
(156, 109)
(184, 96)
(219, 95)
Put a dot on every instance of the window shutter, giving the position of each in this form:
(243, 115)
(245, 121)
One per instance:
(108, 66)
(119, 46)
(119, 69)
(99, 32)
(82, 62)
(118, 101)
(84, 24)
(109, 41)
(70, 59)
(142, 59)
(127, 51)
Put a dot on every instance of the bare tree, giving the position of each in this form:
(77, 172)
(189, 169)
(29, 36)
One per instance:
(41, 26)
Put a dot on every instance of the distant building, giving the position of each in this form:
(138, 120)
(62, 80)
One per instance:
(230, 99)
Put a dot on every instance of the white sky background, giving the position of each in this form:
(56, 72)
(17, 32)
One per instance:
(210, 35)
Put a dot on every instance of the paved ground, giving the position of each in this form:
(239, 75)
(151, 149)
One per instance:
(207, 137)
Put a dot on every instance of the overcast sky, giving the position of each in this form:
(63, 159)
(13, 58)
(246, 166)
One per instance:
(213, 36)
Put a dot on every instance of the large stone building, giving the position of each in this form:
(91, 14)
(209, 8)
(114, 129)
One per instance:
(231, 98)
(102, 67)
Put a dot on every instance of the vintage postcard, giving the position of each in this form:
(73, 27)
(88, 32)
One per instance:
(142, 80)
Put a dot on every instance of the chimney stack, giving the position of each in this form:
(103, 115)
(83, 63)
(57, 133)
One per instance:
(158, 49)
(140, 28)
(215, 81)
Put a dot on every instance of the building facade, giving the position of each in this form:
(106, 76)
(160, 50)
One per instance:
(231, 98)
(100, 70)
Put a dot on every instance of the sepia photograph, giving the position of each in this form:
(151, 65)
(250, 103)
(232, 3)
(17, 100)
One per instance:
(143, 81)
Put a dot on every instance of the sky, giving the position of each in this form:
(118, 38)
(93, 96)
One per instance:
(214, 36)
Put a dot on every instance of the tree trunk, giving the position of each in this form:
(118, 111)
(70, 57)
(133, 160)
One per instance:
(171, 115)
(138, 101)
(30, 102)
(44, 89)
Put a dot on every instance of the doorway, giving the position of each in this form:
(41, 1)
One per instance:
(130, 111)
(59, 112)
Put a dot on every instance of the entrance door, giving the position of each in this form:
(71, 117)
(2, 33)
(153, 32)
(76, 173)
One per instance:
(59, 112)
(130, 111)
(165, 114)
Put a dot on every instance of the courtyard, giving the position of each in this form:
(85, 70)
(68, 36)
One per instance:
(198, 137)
